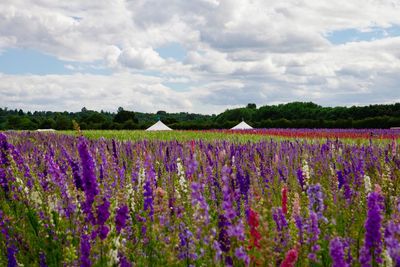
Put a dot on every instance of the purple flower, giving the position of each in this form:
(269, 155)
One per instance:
(4, 163)
(300, 227)
(114, 149)
(12, 261)
(85, 251)
(392, 241)
(88, 178)
(336, 250)
(4, 150)
(191, 165)
(244, 183)
(77, 177)
(281, 227)
(236, 230)
(223, 237)
(186, 245)
(103, 231)
(148, 198)
(148, 188)
(123, 261)
(372, 248)
(4, 181)
(121, 217)
(300, 178)
(75, 170)
(42, 260)
(103, 212)
(340, 179)
(316, 204)
(313, 232)
(241, 254)
(198, 199)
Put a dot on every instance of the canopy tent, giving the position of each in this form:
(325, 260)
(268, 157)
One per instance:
(159, 126)
(242, 126)
(45, 130)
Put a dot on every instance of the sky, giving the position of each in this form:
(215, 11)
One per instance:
(200, 56)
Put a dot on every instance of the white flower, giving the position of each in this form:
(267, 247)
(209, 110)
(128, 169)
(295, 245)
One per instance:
(367, 183)
(306, 171)
(113, 253)
(387, 259)
(142, 177)
(182, 179)
(35, 198)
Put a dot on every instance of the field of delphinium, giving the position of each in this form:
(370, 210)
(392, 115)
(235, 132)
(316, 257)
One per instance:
(72, 201)
(253, 135)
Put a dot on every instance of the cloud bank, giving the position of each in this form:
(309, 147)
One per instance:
(235, 52)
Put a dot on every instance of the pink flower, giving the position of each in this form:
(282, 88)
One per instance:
(284, 199)
(290, 259)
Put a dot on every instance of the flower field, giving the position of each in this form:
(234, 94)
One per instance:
(77, 201)
(254, 135)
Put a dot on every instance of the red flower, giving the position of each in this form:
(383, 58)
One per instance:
(284, 199)
(253, 220)
(290, 259)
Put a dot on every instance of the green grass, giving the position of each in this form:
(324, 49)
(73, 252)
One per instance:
(137, 135)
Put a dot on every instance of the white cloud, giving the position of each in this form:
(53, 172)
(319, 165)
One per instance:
(238, 51)
(72, 92)
(145, 58)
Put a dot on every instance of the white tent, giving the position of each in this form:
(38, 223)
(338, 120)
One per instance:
(242, 126)
(159, 126)
(45, 130)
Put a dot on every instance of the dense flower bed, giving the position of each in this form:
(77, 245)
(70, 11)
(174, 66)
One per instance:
(70, 201)
(322, 133)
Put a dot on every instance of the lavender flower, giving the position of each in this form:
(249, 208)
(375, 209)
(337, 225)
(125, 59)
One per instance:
(372, 249)
(316, 204)
(241, 254)
(392, 241)
(198, 200)
(281, 227)
(186, 245)
(313, 232)
(148, 188)
(298, 220)
(148, 198)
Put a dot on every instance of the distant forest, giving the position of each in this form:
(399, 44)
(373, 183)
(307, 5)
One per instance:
(291, 115)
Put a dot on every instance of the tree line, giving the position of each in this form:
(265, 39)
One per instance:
(291, 115)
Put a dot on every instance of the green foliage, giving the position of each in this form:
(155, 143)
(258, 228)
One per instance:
(290, 115)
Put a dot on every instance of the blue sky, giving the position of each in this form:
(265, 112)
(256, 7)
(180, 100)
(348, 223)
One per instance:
(20, 61)
(357, 35)
(175, 51)
(199, 56)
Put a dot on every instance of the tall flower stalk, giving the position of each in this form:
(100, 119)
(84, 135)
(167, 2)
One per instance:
(370, 253)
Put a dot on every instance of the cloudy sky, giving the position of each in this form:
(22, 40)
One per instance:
(197, 56)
